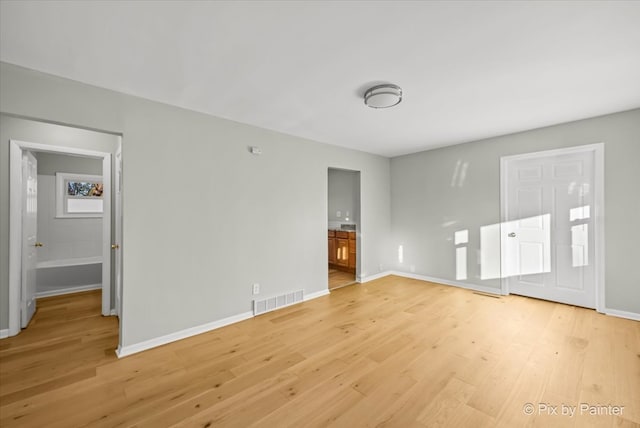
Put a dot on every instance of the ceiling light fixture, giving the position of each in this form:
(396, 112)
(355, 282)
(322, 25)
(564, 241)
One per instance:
(383, 96)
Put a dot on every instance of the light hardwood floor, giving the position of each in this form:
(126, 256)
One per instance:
(339, 279)
(394, 352)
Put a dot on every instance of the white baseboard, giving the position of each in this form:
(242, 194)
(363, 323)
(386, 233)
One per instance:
(468, 286)
(315, 295)
(124, 351)
(4, 333)
(69, 262)
(368, 278)
(69, 290)
(475, 287)
(622, 314)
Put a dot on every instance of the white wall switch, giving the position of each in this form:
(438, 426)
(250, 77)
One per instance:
(256, 288)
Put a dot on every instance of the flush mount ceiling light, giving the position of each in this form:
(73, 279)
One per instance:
(383, 96)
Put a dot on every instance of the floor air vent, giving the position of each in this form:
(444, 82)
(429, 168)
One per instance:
(277, 302)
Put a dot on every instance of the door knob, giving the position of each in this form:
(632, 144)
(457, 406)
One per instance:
(38, 244)
(115, 246)
(512, 235)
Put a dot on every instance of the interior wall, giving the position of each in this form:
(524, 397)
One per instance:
(344, 196)
(65, 238)
(50, 163)
(438, 192)
(68, 279)
(204, 219)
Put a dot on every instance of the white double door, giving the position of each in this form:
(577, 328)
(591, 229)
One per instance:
(547, 239)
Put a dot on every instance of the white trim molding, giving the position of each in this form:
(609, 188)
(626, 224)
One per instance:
(16, 148)
(365, 279)
(466, 285)
(622, 314)
(315, 295)
(4, 333)
(69, 262)
(124, 351)
(15, 236)
(68, 290)
(484, 289)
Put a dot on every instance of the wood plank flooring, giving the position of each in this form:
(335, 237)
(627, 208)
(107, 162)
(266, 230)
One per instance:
(394, 352)
(339, 279)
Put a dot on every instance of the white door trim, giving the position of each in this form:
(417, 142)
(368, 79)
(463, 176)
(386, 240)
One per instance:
(359, 245)
(598, 197)
(16, 148)
(117, 235)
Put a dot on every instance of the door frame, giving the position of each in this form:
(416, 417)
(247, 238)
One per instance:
(117, 232)
(16, 148)
(598, 209)
(358, 274)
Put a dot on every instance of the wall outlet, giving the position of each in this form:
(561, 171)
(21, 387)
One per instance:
(380, 267)
(256, 288)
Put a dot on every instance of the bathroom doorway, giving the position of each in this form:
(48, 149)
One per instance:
(70, 206)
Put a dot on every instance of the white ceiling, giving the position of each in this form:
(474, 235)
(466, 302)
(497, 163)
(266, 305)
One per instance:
(469, 70)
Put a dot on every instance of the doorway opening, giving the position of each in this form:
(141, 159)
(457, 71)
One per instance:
(79, 193)
(343, 220)
(552, 229)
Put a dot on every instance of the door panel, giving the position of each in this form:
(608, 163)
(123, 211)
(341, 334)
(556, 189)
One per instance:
(580, 245)
(332, 250)
(352, 252)
(343, 252)
(566, 275)
(29, 237)
(531, 257)
(547, 244)
(530, 206)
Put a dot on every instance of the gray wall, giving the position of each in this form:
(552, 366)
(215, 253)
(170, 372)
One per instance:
(64, 238)
(203, 218)
(50, 163)
(344, 196)
(430, 201)
(53, 280)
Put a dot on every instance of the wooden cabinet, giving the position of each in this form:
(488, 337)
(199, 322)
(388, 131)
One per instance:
(342, 250)
(332, 247)
(352, 251)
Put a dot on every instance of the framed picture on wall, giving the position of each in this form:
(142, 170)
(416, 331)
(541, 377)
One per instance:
(78, 195)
